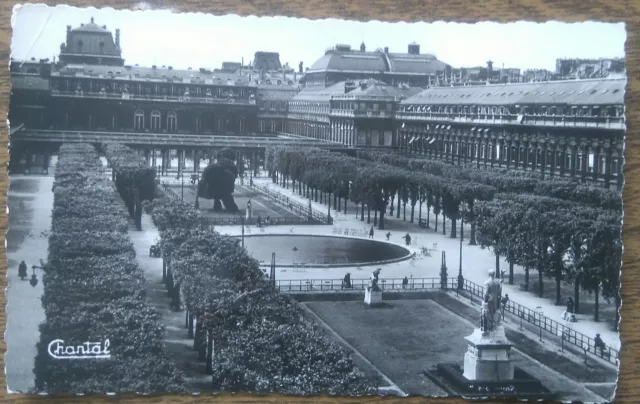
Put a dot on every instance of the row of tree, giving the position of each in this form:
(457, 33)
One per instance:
(251, 338)
(375, 185)
(134, 178)
(505, 180)
(94, 291)
(375, 178)
(550, 235)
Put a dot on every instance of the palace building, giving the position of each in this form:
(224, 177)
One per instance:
(350, 99)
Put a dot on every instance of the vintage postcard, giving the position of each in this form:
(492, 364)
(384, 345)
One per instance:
(204, 204)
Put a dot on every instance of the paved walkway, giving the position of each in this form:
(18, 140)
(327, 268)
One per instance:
(475, 261)
(30, 202)
(178, 347)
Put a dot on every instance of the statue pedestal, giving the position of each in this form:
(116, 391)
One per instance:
(372, 297)
(488, 357)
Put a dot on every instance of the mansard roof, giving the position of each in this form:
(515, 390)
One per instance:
(344, 59)
(319, 94)
(570, 92)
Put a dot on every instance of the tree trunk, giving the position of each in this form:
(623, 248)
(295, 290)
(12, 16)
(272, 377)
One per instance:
(335, 201)
(362, 213)
(436, 228)
(540, 283)
(413, 210)
(618, 303)
(404, 211)
(558, 272)
(576, 294)
(209, 364)
(498, 273)
(190, 327)
(345, 205)
(339, 204)
(526, 279)
(398, 210)
(444, 221)
(510, 272)
(368, 214)
(315, 191)
(472, 236)
(428, 215)
(453, 228)
(381, 226)
(596, 308)
(375, 217)
(164, 270)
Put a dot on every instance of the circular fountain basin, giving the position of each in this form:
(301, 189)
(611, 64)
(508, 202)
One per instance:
(322, 251)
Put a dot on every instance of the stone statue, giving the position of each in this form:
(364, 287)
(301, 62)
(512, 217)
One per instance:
(373, 285)
(491, 305)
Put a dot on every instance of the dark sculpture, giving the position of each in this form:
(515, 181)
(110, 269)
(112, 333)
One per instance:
(491, 305)
(373, 286)
(218, 181)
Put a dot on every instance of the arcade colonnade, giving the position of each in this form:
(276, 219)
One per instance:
(587, 155)
(161, 158)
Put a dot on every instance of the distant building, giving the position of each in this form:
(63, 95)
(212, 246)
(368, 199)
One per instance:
(91, 44)
(589, 68)
(342, 63)
(266, 61)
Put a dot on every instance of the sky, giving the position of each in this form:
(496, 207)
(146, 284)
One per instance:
(160, 37)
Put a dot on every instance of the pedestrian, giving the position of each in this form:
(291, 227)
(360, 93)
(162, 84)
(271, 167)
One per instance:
(505, 301)
(259, 221)
(407, 239)
(22, 270)
(371, 232)
(599, 343)
(346, 282)
(405, 282)
(570, 305)
(388, 235)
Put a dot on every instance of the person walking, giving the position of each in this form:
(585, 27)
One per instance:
(22, 270)
(388, 235)
(405, 282)
(371, 232)
(407, 239)
(598, 343)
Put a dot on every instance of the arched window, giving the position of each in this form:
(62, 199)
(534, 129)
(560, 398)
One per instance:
(138, 120)
(172, 122)
(155, 120)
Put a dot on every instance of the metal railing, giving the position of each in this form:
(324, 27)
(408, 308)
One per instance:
(159, 139)
(166, 98)
(540, 321)
(292, 205)
(386, 284)
(612, 122)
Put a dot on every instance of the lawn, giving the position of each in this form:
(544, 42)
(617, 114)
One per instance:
(405, 337)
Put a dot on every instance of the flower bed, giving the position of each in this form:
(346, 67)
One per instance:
(263, 342)
(94, 290)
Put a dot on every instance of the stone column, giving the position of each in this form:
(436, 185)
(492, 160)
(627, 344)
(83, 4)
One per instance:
(596, 164)
(585, 162)
(607, 168)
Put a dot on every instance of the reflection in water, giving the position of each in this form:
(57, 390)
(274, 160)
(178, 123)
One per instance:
(311, 250)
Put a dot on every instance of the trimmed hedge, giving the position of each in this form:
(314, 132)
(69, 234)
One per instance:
(134, 178)
(263, 342)
(94, 290)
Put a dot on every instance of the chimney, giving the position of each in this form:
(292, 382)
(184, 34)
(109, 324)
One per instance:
(118, 37)
(363, 48)
(349, 85)
(414, 49)
(489, 70)
(363, 84)
(300, 67)
(386, 50)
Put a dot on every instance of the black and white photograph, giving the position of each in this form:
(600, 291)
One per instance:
(205, 204)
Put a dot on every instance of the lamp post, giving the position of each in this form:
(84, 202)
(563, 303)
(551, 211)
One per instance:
(242, 221)
(34, 278)
(460, 277)
(540, 313)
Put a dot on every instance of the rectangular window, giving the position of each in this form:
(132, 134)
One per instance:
(241, 124)
(262, 126)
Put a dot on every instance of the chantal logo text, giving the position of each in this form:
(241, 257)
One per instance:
(87, 350)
